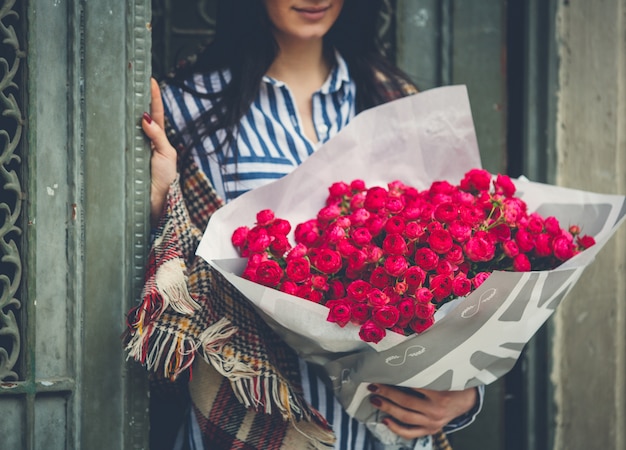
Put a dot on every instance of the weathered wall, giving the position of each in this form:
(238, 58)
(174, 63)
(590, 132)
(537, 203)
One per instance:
(590, 331)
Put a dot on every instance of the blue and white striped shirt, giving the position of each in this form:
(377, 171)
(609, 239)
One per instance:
(270, 143)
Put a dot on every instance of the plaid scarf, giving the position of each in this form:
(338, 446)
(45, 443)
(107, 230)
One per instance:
(245, 387)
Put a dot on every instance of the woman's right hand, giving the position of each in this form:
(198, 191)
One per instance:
(163, 160)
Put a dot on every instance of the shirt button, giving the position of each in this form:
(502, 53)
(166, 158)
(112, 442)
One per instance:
(322, 129)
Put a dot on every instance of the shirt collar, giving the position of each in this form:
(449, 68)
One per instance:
(335, 81)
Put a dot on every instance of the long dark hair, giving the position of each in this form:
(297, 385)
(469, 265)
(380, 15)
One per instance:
(244, 44)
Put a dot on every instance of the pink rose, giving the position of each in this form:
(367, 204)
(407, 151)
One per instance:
(385, 316)
(424, 310)
(500, 233)
(441, 187)
(357, 185)
(279, 227)
(512, 210)
(585, 241)
(334, 234)
(358, 290)
(455, 255)
(521, 263)
(328, 261)
(441, 286)
(440, 241)
(423, 295)
(480, 278)
(510, 248)
(563, 248)
(298, 269)
(376, 298)
(370, 332)
(264, 217)
(446, 212)
(413, 230)
(479, 249)
(258, 239)
(552, 225)
(359, 216)
(535, 223)
(339, 189)
(394, 204)
(328, 213)
(307, 233)
(336, 289)
(420, 325)
(414, 276)
(395, 225)
(339, 312)
(400, 287)
(319, 282)
(360, 312)
(269, 273)
(406, 308)
(394, 244)
(379, 277)
(280, 245)
(298, 251)
(361, 236)
(375, 225)
(525, 240)
(503, 185)
(445, 267)
(239, 236)
(374, 253)
(472, 215)
(375, 199)
(396, 265)
(357, 201)
(476, 180)
(460, 231)
(426, 258)
(357, 260)
(543, 245)
(345, 248)
(461, 286)
(289, 287)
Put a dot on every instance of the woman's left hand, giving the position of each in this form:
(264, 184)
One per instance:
(420, 412)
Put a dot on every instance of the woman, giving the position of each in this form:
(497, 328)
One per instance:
(280, 78)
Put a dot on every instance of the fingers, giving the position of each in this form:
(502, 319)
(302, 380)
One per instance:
(419, 412)
(156, 103)
(156, 134)
(410, 415)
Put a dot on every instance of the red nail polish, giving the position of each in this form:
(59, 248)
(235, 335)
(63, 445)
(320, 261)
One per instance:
(372, 387)
(147, 118)
(377, 402)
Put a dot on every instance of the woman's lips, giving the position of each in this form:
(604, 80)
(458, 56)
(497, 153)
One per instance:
(312, 13)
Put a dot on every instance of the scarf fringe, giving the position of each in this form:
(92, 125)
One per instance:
(171, 282)
(263, 394)
(172, 351)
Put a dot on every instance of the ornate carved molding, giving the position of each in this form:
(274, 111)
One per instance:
(11, 196)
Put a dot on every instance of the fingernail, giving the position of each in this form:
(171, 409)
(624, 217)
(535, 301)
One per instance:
(372, 387)
(376, 401)
(385, 422)
(147, 118)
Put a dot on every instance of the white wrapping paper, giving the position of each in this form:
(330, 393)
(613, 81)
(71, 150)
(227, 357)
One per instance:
(418, 140)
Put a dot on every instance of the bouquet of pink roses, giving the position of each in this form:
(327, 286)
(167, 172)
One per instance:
(428, 140)
(387, 259)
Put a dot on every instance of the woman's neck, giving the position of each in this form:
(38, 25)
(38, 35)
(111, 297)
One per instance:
(300, 63)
